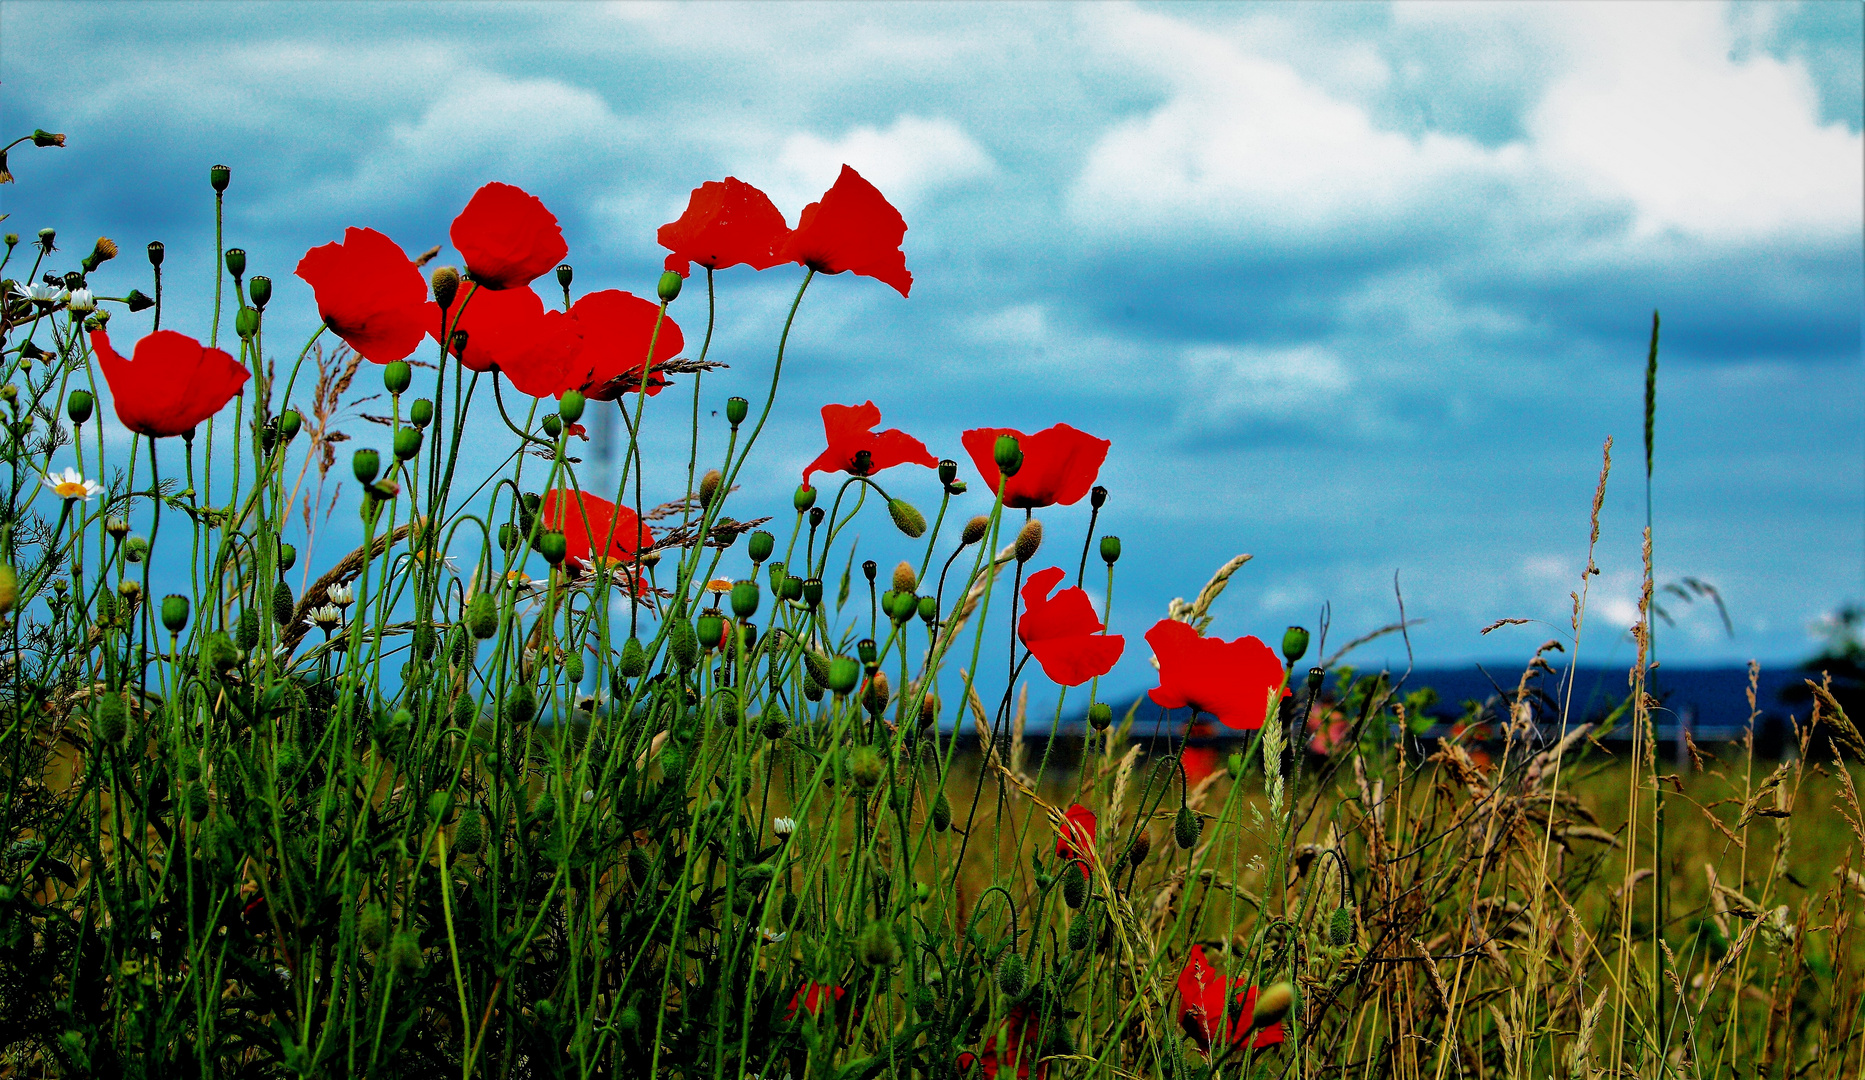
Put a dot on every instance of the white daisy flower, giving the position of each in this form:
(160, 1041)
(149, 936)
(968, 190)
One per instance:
(340, 595)
(324, 617)
(70, 485)
(81, 300)
(44, 293)
(772, 936)
(784, 826)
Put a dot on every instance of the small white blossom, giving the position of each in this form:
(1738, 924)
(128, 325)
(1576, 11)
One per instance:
(340, 595)
(45, 293)
(772, 936)
(784, 826)
(70, 485)
(588, 796)
(325, 618)
(82, 300)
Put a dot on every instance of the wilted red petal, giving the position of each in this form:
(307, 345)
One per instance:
(854, 228)
(727, 223)
(616, 328)
(507, 237)
(1060, 464)
(847, 428)
(1063, 632)
(1231, 680)
(172, 385)
(370, 294)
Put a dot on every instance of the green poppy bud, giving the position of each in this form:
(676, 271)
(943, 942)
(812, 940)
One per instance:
(553, 547)
(761, 545)
(1013, 974)
(236, 262)
(135, 549)
(1075, 885)
(1186, 828)
(397, 376)
(682, 643)
(403, 957)
(773, 723)
(407, 443)
(745, 599)
(804, 498)
(78, 406)
(246, 323)
(175, 613)
(1110, 549)
(156, 252)
(552, 424)
(469, 837)
(197, 801)
(668, 288)
(1142, 846)
(907, 519)
(521, 704)
(843, 675)
(282, 605)
(421, 412)
(1340, 927)
(812, 592)
(482, 618)
(141, 301)
(942, 813)
(634, 660)
(1294, 644)
(260, 289)
(1100, 715)
(573, 668)
(218, 654)
(110, 720)
(1080, 932)
(877, 945)
(219, 176)
(249, 629)
(366, 464)
(288, 424)
(1234, 765)
(570, 406)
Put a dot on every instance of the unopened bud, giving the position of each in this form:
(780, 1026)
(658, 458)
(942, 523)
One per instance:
(1029, 538)
(974, 530)
(482, 618)
(1100, 715)
(1340, 926)
(929, 709)
(445, 281)
(42, 137)
(905, 580)
(1142, 846)
(1013, 974)
(1186, 828)
(1075, 884)
(282, 605)
(1272, 1005)
(634, 659)
(877, 693)
(942, 812)
(709, 485)
(907, 519)
(138, 300)
(864, 767)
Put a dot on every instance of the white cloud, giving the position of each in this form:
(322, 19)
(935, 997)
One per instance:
(907, 160)
(1242, 386)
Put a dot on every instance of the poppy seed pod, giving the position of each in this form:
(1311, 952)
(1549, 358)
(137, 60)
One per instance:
(553, 546)
(761, 545)
(564, 275)
(1186, 827)
(974, 530)
(246, 323)
(219, 176)
(709, 485)
(445, 281)
(1100, 715)
(1294, 644)
(260, 289)
(553, 425)
(78, 406)
(1029, 539)
(366, 464)
(736, 409)
(282, 606)
(877, 693)
(510, 537)
(948, 471)
(156, 252)
(745, 599)
(843, 675)
(812, 591)
(928, 609)
(905, 580)
(288, 424)
(421, 412)
(668, 288)
(816, 515)
(287, 557)
(175, 613)
(407, 443)
(865, 649)
(1110, 549)
(482, 618)
(634, 659)
(804, 498)
(711, 630)
(570, 406)
(397, 376)
(1097, 498)
(863, 463)
(1005, 453)
(1315, 675)
(236, 262)
(907, 519)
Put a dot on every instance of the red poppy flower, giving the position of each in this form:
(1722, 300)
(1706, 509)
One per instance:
(1059, 464)
(507, 237)
(854, 227)
(1231, 680)
(726, 223)
(1199, 761)
(497, 324)
(370, 293)
(616, 328)
(589, 522)
(1012, 1046)
(1063, 632)
(850, 431)
(545, 358)
(172, 384)
(809, 997)
(1203, 1008)
(1075, 839)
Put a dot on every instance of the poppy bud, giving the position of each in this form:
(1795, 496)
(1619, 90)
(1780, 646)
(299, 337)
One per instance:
(1100, 715)
(745, 599)
(929, 608)
(865, 650)
(877, 693)
(137, 301)
(812, 591)
(1075, 885)
(46, 238)
(634, 661)
(175, 613)
(1142, 846)
(249, 628)
(1234, 765)
(288, 424)
(282, 606)
(135, 548)
(156, 251)
(1186, 828)
(420, 412)
(236, 262)
(948, 471)
(668, 288)
(877, 945)
(1110, 549)
(682, 643)
(246, 323)
(816, 666)
(397, 376)
(736, 408)
(470, 835)
(553, 546)
(974, 530)
(102, 252)
(864, 766)
(521, 704)
(907, 519)
(1098, 497)
(761, 545)
(1006, 454)
(78, 406)
(482, 619)
(942, 812)
(445, 281)
(564, 274)
(1080, 932)
(709, 485)
(570, 406)
(365, 464)
(843, 675)
(1013, 974)
(219, 176)
(260, 289)
(929, 709)
(804, 498)
(1029, 538)
(196, 800)
(1294, 644)
(1272, 1005)
(1340, 927)
(905, 580)
(553, 425)
(407, 443)
(218, 654)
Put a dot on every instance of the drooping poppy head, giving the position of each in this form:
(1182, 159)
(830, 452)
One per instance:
(1014, 1046)
(1059, 464)
(850, 431)
(727, 223)
(1063, 632)
(593, 527)
(370, 294)
(1075, 837)
(507, 237)
(855, 228)
(809, 998)
(172, 384)
(616, 328)
(1210, 1005)
(1232, 680)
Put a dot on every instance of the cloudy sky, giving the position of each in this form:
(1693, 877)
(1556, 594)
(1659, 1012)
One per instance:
(1357, 289)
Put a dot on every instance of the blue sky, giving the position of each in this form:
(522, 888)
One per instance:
(1356, 289)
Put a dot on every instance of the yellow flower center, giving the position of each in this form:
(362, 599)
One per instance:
(69, 490)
